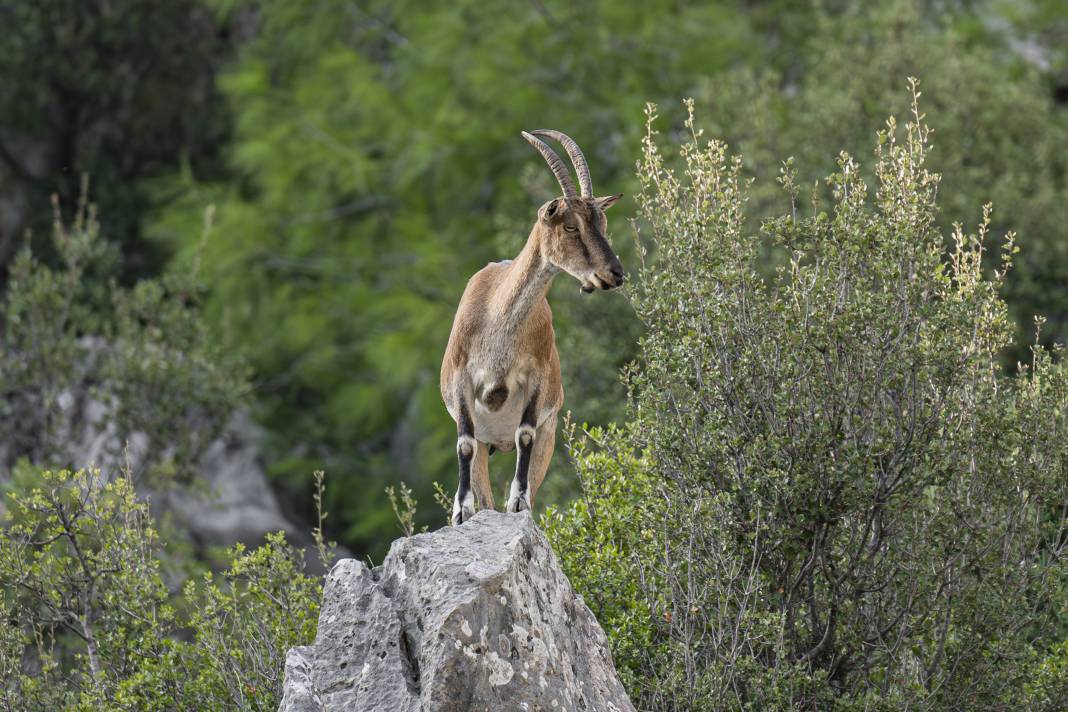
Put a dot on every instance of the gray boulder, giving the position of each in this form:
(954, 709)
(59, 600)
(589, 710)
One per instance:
(230, 500)
(475, 618)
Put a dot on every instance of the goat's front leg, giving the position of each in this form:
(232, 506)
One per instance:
(519, 497)
(463, 506)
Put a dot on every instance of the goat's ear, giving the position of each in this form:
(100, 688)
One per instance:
(551, 210)
(607, 201)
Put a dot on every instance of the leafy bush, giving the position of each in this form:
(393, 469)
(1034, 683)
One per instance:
(88, 622)
(608, 530)
(841, 502)
(1000, 137)
(68, 335)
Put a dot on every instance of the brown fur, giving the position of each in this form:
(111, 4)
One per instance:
(502, 349)
(500, 377)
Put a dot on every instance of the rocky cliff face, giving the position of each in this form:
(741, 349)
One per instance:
(465, 619)
(231, 499)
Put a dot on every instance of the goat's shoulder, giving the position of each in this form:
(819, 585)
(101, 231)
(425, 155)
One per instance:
(481, 285)
(473, 304)
(470, 316)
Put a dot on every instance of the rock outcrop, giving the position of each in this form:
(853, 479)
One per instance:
(475, 618)
(231, 498)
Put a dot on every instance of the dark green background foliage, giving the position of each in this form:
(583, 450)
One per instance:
(377, 164)
(122, 91)
(364, 159)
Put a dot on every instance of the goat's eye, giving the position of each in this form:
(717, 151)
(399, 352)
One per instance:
(570, 228)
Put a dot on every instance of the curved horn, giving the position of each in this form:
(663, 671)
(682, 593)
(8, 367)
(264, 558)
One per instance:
(577, 159)
(563, 176)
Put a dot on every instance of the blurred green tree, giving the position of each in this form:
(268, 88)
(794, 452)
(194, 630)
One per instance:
(376, 164)
(1002, 140)
(1041, 29)
(380, 165)
(119, 89)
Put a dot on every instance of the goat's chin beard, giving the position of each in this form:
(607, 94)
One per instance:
(589, 282)
(593, 282)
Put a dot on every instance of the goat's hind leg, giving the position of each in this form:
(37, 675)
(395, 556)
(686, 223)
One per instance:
(463, 506)
(480, 481)
(544, 444)
(532, 459)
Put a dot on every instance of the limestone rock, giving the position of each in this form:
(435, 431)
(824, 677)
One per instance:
(475, 618)
(230, 500)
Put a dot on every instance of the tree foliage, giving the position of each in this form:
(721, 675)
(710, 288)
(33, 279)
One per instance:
(122, 90)
(376, 165)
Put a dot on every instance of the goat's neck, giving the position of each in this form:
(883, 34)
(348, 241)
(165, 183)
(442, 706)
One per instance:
(524, 286)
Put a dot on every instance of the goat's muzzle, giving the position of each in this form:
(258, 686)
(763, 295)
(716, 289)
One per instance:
(610, 280)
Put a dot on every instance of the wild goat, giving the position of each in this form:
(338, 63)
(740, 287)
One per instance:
(500, 378)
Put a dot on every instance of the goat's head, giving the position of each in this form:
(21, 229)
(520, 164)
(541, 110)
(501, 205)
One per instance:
(574, 225)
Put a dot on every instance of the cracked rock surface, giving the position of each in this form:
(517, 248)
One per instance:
(465, 619)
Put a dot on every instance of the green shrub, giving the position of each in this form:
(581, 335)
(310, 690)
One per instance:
(88, 621)
(1047, 688)
(89, 617)
(69, 334)
(999, 136)
(82, 585)
(603, 537)
(841, 502)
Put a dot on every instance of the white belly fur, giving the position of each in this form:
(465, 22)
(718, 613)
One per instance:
(498, 428)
